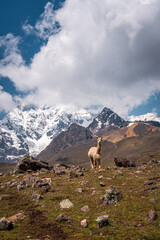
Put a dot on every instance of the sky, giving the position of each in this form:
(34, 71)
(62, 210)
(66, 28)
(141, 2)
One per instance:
(81, 53)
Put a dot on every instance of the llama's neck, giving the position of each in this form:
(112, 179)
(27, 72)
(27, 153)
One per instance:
(98, 148)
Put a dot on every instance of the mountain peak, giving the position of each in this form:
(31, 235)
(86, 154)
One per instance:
(106, 118)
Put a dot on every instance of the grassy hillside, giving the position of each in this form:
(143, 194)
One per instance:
(128, 217)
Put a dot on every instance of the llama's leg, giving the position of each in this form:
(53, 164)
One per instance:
(95, 163)
(99, 163)
(91, 161)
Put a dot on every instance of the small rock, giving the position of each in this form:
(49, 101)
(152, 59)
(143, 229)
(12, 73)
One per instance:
(39, 183)
(142, 167)
(102, 184)
(115, 168)
(79, 173)
(85, 209)
(73, 174)
(153, 161)
(148, 182)
(62, 217)
(13, 184)
(119, 172)
(66, 204)
(79, 190)
(35, 174)
(84, 223)
(153, 200)
(5, 224)
(46, 189)
(44, 170)
(102, 221)
(60, 172)
(152, 215)
(100, 177)
(47, 180)
(95, 192)
(84, 183)
(20, 187)
(36, 196)
(139, 172)
(18, 216)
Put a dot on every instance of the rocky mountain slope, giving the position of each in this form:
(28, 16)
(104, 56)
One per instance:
(29, 129)
(75, 135)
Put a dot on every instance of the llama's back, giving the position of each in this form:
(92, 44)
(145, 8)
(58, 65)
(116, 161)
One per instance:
(92, 151)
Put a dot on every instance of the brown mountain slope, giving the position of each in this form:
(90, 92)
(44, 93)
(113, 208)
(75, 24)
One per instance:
(74, 136)
(140, 149)
(135, 130)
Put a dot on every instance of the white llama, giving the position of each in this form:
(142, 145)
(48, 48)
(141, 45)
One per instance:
(95, 154)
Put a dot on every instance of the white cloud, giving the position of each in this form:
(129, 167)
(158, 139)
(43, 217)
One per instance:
(11, 52)
(6, 101)
(107, 52)
(45, 26)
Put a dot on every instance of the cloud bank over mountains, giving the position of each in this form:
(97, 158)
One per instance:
(95, 53)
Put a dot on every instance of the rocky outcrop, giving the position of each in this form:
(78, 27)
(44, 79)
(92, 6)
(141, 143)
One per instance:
(30, 163)
(124, 162)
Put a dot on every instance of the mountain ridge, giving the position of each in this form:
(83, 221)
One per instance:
(30, 129)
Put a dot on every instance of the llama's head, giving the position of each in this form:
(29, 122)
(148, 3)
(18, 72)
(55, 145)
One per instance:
(99, 139)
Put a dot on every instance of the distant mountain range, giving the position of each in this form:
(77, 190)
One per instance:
(30, 129)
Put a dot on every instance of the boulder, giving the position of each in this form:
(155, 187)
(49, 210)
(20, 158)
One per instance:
(66, 204)
(30, 163)
(5, 224)
(124, 162)
(102, 221)
(112, 196)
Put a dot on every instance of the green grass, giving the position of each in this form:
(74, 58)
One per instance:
(128, 217)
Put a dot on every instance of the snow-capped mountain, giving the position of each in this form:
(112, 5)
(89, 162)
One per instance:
(29, 129)
(106, 118)
(145, 118)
